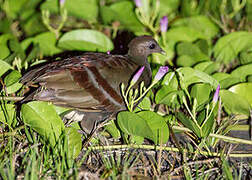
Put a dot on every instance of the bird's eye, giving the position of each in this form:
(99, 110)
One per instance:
(152, 46)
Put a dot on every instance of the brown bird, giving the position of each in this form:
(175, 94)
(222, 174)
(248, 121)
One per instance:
(90, 83)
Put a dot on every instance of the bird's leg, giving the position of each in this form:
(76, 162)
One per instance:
(90, 120)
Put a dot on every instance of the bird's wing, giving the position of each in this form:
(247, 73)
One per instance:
(89, 82)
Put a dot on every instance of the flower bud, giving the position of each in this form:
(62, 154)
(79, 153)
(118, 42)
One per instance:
(164, 24)
(137, 75)
(161, 72)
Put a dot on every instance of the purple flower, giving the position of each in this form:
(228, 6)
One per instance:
(108, 52)
(164, 24)
(62, 2)
(138, 3)
(137, 75)
(216, 94)
(161, 72)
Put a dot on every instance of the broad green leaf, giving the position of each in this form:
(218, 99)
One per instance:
(200, 23)
(85, 40)
(42, 117)
(228, 47)
(13, 88)
(47, 43)
(61, 110)
(74, 142)
(189, 123)
(17, 49)
(157, 124)
(191, 76)
(201, 92)
(189, 54)
(136, 140)
(34, 25)
(234, 103)
(12, 78)
(14, 7)
(132, 124)
(244, 90)
(242, 72)
(3, 45)
(7, 113)
(171, 80)
(145, 104)
(246, 56)
(183, 33)
(172, 99)
(168, 7)
(163, 92)
(208, 67)
(84, 9)
(226, 83)
(220, 76)
(226, 80)
(128, 21)
(4, 67)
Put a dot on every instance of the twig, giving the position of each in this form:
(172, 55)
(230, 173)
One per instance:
(224, 138)
(193, 163)
(9, 98)
(152, 147)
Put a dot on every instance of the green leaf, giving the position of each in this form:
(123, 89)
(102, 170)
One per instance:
(246, 56)
(145, 104)
(47, 43)
(220, 76)
(74, 142)
(201, 92)
(7, 113)
(168, 7)
(242, 72)
(113, 130)
(229, 46)
(3, 45)
(208, 67)
(13, 88)
(132, 124)
(226, 83)
(200, 23)
(234, 103)
(244, 90)
(226, 80)
(189, 123)
(208, 126)
(12, 78)
(4, 67)
(191, 76)
(183, 33)
(33, 25)
(119, 10)
(84, 9)
(190, 54)
(85, 40)
(158, 126)
(42, 117)
(14, 7)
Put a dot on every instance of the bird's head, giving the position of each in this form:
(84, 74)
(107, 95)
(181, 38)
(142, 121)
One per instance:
(141, 47)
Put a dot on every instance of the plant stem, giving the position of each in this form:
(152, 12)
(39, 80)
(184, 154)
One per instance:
(153, 147)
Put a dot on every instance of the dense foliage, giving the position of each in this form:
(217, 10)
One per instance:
(208, 44)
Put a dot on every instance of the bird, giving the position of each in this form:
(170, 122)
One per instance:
(89, 84)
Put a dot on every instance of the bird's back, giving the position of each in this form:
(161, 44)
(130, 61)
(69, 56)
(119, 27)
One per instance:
(90, 82)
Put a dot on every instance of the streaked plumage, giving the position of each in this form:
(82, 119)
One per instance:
(91, 82)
